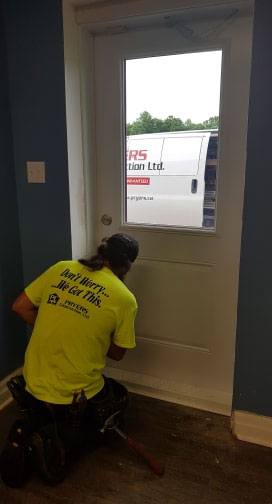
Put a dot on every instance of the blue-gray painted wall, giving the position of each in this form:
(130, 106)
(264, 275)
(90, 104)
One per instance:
(253, 368)
(34, 35)
(34, 218)
(12, 331)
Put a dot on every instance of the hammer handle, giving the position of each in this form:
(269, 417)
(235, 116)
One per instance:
(140, 449)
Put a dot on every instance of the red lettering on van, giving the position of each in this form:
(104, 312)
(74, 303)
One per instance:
(138, 180)
(137, 155)
(142, 155)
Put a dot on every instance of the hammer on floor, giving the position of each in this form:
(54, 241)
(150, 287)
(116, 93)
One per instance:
(136, 446)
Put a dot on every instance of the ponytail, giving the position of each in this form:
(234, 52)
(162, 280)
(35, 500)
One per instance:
(118, 251)
(97, 261)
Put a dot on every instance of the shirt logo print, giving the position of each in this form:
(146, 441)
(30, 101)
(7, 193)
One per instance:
(53, 299)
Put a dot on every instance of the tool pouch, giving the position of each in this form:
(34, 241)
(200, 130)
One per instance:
(113, 398)
(76, 410)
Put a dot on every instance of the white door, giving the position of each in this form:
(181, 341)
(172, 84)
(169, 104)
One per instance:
(185, 280)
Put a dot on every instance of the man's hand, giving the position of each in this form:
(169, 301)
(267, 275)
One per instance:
(23, 307)
(115, 352)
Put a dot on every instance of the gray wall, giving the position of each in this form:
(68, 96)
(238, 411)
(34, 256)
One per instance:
(34, 218)
(253, 370)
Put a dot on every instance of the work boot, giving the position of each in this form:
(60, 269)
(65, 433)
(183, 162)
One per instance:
(16, 457)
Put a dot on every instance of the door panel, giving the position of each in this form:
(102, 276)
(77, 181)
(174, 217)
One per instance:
(185, 281)
(166, 286)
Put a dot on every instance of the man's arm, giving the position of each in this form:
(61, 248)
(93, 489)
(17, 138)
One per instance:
(115, 352)
(23, 307)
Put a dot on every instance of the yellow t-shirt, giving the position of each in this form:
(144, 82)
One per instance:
(80, 312)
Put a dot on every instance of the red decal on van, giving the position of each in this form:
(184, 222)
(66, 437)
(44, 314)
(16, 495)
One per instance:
(138, 180)
(137, 155)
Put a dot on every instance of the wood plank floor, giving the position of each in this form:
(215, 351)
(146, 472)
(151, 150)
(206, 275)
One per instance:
(204, 464)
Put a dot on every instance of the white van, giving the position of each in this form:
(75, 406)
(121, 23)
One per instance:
(166, 178)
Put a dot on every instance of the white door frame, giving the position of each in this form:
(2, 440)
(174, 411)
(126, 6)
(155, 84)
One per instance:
(80, 106)
(81, 113)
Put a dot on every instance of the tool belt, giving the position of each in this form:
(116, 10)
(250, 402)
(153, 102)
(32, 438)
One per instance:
(112, 398)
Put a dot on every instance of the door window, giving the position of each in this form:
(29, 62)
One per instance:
(172, 129)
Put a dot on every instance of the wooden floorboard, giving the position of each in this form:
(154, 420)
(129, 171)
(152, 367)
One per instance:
(204, 464)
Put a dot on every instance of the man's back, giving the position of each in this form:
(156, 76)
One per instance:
(80, 312)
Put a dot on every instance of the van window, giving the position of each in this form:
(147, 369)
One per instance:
(180, 155)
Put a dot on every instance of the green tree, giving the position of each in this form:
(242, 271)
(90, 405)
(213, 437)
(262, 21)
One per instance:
(172, 123)
(211, 123)
(145, 123)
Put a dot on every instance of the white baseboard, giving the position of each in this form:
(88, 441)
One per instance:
(252, 428)
(216, 402)
(170, 391)
(5, 396)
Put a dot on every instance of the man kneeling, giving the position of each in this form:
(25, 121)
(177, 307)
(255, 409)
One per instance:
(82, 312)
